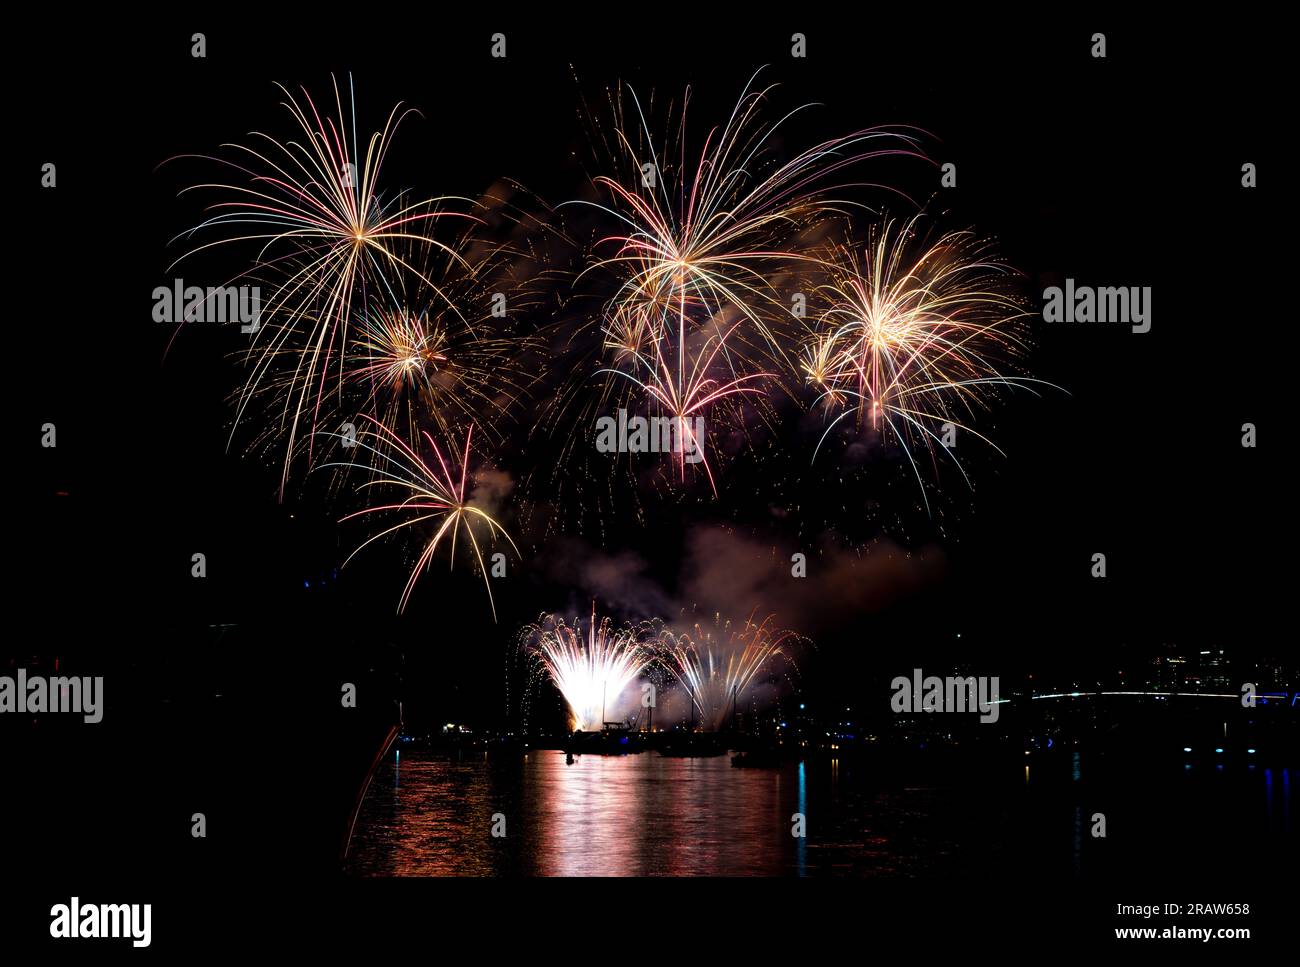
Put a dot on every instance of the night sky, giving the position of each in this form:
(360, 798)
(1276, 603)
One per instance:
(1124, 171)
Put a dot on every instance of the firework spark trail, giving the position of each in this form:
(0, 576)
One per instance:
(423, 354)
(591, 671)
(397, 352)
(687, 394)
(433, 495)
(399, 349)
(717, 242)
(418, 366)
(716, 670)
(911, 337)
(325, 238)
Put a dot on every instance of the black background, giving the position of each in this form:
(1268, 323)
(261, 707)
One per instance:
(1123, 171)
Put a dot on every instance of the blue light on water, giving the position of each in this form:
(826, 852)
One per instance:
(801, 844)
(1220, 751)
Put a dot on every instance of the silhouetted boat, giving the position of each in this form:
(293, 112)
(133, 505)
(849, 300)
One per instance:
(612, 740)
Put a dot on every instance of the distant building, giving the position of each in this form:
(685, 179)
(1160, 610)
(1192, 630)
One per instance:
(1168, 673)
(1213, 670)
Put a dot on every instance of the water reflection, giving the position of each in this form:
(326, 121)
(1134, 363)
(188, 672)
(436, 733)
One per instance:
(432, 814)
(634, 816)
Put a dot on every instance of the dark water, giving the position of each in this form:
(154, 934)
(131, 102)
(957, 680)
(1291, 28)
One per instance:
(432, 814)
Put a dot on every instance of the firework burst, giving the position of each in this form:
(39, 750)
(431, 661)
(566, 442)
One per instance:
(399, 350)
(323, 236)
(704, 235)
(426, 357)
(435, 499)
(591, 670)
(425, 352)
(912, 336)
(684, 389)
(716, 667)
(697, 242)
